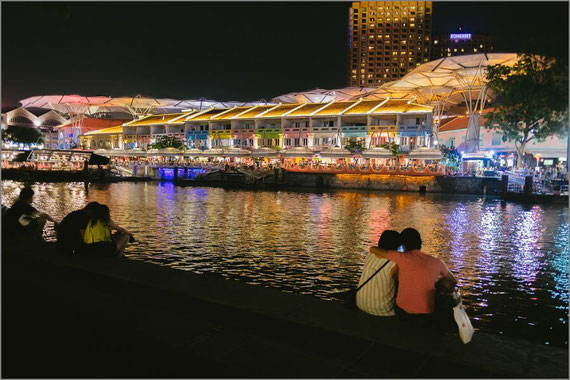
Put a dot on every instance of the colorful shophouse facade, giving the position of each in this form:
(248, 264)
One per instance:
(315, 126)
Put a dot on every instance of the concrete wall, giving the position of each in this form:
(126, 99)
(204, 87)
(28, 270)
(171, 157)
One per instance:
(455, 185)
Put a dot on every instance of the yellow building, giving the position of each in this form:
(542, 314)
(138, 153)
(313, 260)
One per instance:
(106, 138)
(386, 39)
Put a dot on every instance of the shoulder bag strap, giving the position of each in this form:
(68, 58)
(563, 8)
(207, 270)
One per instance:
(375, 273)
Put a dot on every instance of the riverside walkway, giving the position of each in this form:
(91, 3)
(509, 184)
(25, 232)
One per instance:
(72, 316)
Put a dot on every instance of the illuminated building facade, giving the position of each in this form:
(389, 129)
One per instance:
(461, 43)
(386, 39)
(285, 126)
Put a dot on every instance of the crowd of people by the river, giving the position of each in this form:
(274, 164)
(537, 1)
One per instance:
(88, 231)
(399, 279)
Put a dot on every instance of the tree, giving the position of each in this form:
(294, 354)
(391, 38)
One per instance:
(394, 149)
(163, 142)
(355, 147)
(531, 100)
(451, 157)
(22, 135)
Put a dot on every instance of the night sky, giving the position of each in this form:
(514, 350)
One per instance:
(222, 51)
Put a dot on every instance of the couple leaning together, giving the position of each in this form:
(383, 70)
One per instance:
(395, 282)
(88, 231)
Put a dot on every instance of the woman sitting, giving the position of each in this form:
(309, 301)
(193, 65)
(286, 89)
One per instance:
(377, 297)
(97, 235)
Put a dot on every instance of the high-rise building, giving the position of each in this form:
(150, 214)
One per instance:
(386, 39)
(460, 43)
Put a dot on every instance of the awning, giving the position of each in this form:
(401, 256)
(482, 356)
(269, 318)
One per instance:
(297, 152)
(236, 152)
(377, 152)
(425, 153)
(336, 152)
(194, 152)
(264, 152)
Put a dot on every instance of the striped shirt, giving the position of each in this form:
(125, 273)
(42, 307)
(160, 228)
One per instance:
(377, 296)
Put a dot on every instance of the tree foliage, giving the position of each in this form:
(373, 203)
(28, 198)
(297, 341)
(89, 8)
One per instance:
(163, 142)
(531, 99)
(392, 147)
(451, 157)
(355, 147)
(22, 135)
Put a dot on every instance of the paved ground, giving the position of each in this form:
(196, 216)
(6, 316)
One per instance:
(68, 316)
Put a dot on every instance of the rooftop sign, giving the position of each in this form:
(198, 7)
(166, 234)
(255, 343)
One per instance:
(460, 36)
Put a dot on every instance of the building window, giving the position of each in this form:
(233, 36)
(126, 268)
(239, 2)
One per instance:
(497, 138)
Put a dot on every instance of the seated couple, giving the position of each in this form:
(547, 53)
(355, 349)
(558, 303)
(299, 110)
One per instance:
(415, 272)
(88, 231)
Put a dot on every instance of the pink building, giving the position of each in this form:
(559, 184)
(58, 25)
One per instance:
(452, 132)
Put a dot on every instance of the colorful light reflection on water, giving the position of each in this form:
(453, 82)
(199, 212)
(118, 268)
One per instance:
(511, 260)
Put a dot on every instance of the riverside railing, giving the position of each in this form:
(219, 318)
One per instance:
(366, 169)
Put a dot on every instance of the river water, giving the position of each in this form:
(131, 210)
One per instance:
(511, 260)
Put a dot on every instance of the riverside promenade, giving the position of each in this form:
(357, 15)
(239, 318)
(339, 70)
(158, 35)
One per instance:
(72, 316)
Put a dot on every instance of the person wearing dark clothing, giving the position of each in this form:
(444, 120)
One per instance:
(69, 236)
(97, 237)
(24, 221)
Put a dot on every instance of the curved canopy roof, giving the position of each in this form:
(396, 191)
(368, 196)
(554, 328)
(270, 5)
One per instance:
(135, 105)
(319, 95)
(445, 80)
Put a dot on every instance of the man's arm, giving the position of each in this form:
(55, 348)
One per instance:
(116, 227)
(46, 216)
(446, 273)
(379, 252)
(394, 271)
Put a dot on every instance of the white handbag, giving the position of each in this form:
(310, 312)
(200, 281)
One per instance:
(462, 319)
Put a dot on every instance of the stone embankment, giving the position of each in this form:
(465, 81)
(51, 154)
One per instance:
(71, 316)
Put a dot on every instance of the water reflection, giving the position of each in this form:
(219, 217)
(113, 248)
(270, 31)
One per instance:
(511, 261)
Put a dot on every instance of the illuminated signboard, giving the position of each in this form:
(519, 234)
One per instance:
(460, 36)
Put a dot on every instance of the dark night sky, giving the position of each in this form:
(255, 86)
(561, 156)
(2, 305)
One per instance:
(224, 51)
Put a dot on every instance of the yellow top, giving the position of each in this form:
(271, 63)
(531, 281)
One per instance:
(400, 106)
(231, 113)
(334, 109)
(206, 115)
(307, 109)
(156, 119)
(254, 112)
(363, 107)
(106, 131)
(96, 233)
(279, 111)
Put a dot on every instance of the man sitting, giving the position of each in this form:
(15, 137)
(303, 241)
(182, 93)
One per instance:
(23, 221)
(69, 236)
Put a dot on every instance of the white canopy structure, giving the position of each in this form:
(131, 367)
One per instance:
(425, 153)
(446, 82)
(264, 152)
(135, 105)
(336, 152)
(377, 152)
(323, 96)
(76, 106)
(298, 151)
(236, 152)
